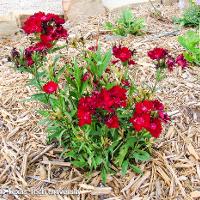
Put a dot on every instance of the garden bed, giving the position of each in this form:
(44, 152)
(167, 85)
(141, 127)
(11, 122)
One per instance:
(174, 170)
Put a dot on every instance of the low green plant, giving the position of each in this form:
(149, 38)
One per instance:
(126, 24)
(191, 42)
(191, 16)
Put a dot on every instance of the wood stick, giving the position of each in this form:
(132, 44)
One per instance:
(48, 148)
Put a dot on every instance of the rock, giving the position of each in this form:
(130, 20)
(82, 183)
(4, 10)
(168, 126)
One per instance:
(113, 4)
(80, 10)
(8, 28)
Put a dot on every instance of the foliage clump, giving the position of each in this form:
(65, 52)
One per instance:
(191, 42)
(191, 16)
(127, 24)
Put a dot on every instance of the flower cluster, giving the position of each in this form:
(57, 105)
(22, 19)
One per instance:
(181, 61)
(123, 54)
(164, 60)
(48, 29)
(39, 47)
(107, 100)
(149, 115)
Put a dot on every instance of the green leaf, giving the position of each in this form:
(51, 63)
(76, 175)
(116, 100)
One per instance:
(127, 24)
(141, 155)
(104, 175)
(125, 167)
(79, 164)
(136, 169)
(108, 25)
(122, 154)
(104, 64)
(60, 72)
(42, 97)
(98, 160)
(44, 113)
(131, 140)
(54, 102)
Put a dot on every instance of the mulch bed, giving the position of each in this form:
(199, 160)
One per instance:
(173, 172)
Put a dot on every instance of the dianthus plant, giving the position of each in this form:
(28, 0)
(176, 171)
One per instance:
(92, 108)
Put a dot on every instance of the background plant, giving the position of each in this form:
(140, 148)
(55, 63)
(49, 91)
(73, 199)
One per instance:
(191, 16)
(191, 41)
(126, 24)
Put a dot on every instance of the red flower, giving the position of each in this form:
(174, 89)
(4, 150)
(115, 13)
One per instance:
(88, 104)
(108, 100)
(47, 39)
(143, 107)
(126, 83)
(29, 60)
(105, 102)
(170, 63)
(84, 118)
(42, 23)
(85, 77)
(157, 53)
(50, 87)
(86, 107)
(181, 61)
(112, 122)
(53, 17)
(112, 99)
(164, 116)
(140, 121)
(122, 53)
(118, 95)
(93, 48)
(155, 128)
(158, 105)
(114, 61)
(60, 32)
(38, 47)
(131, 62)
(34, 23)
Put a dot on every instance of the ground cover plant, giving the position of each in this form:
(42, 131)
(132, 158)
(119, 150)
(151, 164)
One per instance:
(191, 15)
(127, 24)
(190, 41)
(91, 106)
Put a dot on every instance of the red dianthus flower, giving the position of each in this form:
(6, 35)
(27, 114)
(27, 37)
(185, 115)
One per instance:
(122, 53)
(112, 122)
(34, 23)
(157, 53)
(140, 121)
(50, 87)
(181, 61)
(143, 107)
(155, 128)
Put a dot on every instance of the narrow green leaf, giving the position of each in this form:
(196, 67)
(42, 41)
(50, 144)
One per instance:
(136, 169)
(104, 175)
(124, 167)
(40, 97)
(141, 155)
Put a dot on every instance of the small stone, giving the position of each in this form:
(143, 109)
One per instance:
(81, 10)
